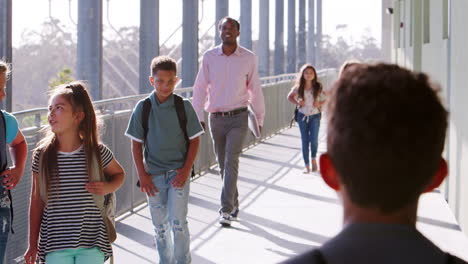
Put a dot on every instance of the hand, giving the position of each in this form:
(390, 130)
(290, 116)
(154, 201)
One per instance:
(300, 103)
(11, 178)
(181, 177)
(30, 255)
(99, 188)
(203, 125)
(146, 185)
(316, 104)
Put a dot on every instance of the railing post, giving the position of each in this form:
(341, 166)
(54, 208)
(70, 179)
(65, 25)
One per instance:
(291, 36)
(222, 10)
(279, 37)
(301, 35)
(189, 42)
(149, 41)
(311, 33)
(89, 47)
(264, 39)
(246, 24)
(319, 34)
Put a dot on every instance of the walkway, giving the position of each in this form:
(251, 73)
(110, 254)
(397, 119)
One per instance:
(283, 212)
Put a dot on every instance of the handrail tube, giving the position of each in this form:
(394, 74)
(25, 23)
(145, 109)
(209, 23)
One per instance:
(124, 99)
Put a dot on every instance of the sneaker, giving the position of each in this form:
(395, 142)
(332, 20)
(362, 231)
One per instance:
(234, 214)
(225, 219)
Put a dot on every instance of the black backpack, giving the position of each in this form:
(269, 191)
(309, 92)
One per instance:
(180, 110)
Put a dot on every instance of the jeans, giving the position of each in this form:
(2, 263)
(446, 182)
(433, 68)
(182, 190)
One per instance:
(309, 127)
(228, 135)
(168, 210)
(4, 231)
(76, 256)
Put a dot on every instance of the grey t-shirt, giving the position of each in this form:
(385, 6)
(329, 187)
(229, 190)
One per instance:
(165, 148)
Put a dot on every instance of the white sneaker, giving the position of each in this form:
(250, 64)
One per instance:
(234, 214)
(225, 219)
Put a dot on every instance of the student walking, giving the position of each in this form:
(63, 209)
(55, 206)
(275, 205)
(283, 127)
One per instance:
(308, 96)
(72, 174)
(9, 135)
(165, 130)
(226, 83)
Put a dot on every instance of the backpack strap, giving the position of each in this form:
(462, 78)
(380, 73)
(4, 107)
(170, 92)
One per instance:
(106, 203)
(145, 116)
(180, 110)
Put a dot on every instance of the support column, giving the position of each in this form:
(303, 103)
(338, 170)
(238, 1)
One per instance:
(301, 35)
(6, 47)
(311, 33)
(386, 30)
(279, 37)
(264, 39)
(246, 24)
(319, 35)
(291, 60)
(417, 35)
(89, 54)
(149, 41)
(189, 42)
(222, 10)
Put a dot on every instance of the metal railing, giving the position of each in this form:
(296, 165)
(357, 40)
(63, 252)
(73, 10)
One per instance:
(114, 115)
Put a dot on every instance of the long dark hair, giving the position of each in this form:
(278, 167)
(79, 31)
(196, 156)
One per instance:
(300, 82)
(77, 95)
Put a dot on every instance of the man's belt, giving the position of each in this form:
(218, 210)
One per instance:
(230, 113)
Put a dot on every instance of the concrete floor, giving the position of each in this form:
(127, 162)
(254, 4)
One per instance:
(283, 213)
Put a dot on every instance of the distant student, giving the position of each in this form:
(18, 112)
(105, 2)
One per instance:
(307, 94)
(386, 135)
(166, 127)
(10, 177)
(72, 174)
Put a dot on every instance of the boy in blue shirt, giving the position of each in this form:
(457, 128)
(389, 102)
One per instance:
(10, 177)
(168, 159)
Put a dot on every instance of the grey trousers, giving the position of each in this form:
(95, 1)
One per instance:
(228, 134)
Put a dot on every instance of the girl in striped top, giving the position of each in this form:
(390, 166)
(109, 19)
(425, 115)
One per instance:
(66, 222)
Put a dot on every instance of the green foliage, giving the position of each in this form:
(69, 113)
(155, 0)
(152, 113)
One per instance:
(63, 76)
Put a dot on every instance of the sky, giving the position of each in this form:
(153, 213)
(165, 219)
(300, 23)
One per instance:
(359, 16)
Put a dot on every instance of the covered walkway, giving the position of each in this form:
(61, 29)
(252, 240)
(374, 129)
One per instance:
(283, 212)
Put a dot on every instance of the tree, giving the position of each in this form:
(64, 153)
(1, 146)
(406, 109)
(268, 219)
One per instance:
(63, 76)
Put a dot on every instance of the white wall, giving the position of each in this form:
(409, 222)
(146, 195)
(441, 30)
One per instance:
(458, 106)
(446, 61)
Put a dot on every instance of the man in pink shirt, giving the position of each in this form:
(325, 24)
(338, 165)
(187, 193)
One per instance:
(226, 83)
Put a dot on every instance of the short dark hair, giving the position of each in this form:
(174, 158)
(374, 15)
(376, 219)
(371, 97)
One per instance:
(346, 65)
(164, 63)
(228, 19)
(386, 134)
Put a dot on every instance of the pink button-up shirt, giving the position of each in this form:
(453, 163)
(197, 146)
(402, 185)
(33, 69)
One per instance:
(225, 83)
